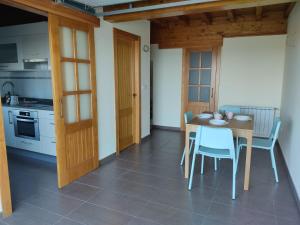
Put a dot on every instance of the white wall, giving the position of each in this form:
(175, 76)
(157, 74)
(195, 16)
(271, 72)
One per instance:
(106, 85)
(251, 74)
(290, 112)
(252, 70)
(167, 70)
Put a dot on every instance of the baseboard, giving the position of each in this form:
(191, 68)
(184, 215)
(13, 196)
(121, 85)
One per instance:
(165, 128)
(146, 138)
(289, 178)
(108, 159)
(32, 155)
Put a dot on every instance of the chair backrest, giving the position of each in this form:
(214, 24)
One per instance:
(188, 116)
(230, 108)
(275, 130)
(216, 138)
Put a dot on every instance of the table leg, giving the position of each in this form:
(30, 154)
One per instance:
(248, 162)
(187, 152)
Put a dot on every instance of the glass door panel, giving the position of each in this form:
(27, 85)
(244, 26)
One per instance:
(66, 42)
(82, 45)
(85, 107)
(200, 76)
(84, 76)
(70, 105)
(68, 76)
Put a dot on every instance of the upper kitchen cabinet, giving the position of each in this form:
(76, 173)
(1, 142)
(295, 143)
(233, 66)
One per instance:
(11, 53)
(35, 46)
(24, 47)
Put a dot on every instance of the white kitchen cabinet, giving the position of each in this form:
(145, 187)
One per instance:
(8, 126)
(11, 53)
(47, 128)
(47, 142)
(35, 46)
(48, 146)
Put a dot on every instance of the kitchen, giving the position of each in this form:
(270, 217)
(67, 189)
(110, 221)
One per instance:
(26, 87)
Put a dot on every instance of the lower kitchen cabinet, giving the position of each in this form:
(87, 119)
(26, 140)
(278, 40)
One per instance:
(47, 141)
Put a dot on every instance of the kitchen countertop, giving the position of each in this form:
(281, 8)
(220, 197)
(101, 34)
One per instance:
(31, 106)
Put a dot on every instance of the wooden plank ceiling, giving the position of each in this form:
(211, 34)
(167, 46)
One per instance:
(206, 24)
(210, 28)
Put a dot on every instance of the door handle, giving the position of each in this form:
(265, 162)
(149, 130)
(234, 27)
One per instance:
(212, 92)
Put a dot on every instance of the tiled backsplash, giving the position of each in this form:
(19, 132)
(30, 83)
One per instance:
(35, 84)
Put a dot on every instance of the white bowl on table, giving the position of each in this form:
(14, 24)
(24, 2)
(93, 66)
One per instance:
(205, 116)
(218, 122)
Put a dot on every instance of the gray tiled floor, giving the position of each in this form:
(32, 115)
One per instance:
(145, 186)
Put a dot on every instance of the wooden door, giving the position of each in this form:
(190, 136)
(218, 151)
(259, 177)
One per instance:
(5, 197)
(199, 81)
(74, 96)
(127, 81)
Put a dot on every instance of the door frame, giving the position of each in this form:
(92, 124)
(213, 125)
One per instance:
(137, 86)
(216, 64)
(42, 8)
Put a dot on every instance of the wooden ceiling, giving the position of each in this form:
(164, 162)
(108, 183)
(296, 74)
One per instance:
(153, 9)
(14, 16)
(210, 28)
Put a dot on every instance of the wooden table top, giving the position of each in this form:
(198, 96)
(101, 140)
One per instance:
(232, 124)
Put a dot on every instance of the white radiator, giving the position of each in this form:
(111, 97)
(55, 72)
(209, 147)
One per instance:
(263, 119)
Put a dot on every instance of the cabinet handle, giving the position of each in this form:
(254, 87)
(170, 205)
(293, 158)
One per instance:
(10, 117)
(54, 142)
(212, 92)
(52, 124)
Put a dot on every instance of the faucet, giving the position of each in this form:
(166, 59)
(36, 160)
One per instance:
(8, 83)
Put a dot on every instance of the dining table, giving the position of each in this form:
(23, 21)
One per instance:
(240, 129)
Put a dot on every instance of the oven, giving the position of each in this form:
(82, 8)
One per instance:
(26, 124)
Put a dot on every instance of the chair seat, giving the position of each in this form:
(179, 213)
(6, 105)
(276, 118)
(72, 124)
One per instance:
(211, 152)
(193, 135)
(263, 143)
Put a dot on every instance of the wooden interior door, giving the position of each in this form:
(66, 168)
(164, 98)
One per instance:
(199, 80)
(74, 96)
(5, 195)
(127, 81)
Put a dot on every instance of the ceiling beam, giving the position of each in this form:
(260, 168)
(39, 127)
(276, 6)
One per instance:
(48, 6)
(289, 9)
(259, 12)
(141, 13)
(231, 16)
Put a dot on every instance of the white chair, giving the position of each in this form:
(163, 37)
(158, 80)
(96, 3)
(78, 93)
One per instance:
(216, 143)
(266, 144)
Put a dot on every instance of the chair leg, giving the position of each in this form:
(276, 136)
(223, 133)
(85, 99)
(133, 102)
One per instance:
(233, 178)
(216, 164)
(182, 158)
(183, 154)
(202, 164)
(274, 165)
(192, 172)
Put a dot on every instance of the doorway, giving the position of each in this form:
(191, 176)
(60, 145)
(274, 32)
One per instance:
(74, 117)
(127, 88)
(199, 81)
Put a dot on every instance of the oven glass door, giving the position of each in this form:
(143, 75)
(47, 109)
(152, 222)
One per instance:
(26, 128)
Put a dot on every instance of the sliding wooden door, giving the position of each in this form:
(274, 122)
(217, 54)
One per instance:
(74, 96)
(127, 81)
(5, 195)
(199, 80)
